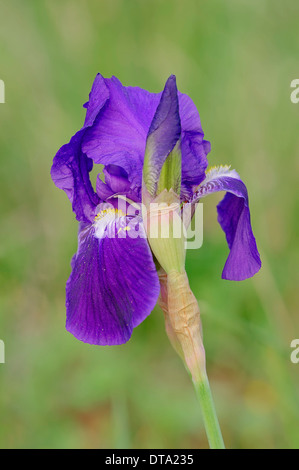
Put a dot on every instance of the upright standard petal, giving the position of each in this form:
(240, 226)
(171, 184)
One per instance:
(162, 183)
(97, 99)
(118, 135)
(163, 135)
(193, 146)
(113, 285)
(234, 217)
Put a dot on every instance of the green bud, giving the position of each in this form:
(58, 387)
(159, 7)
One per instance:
(166, 231)
(170, 176)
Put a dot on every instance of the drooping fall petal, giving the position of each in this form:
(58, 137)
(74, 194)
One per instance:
(113, 286)
(234, 217)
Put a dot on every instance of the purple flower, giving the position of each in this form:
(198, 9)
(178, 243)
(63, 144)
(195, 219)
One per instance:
(114, 283)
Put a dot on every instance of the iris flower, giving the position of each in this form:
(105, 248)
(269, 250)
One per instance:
(152, 148)
(114, 283)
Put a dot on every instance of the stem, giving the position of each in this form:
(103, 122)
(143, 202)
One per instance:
(183, 327)
(206, 402)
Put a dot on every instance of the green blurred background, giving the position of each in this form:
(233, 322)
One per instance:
(236, 59)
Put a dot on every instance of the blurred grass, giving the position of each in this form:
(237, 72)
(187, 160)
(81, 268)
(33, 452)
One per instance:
(236, 60)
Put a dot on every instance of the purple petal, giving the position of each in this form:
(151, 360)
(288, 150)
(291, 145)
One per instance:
(116, 183)
(103, 190)
(97, 98)
(118, 135)
(112, 288)
(70, 172)
(71, 167)
(234, 217)
(194, 147)
(164, 132)
(117, 178)
(116, 126)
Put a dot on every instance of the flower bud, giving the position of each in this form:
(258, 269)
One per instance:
(183, 324)
(166, 232)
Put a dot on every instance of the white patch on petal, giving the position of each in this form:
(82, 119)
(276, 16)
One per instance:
(105, 221)
(212, 182)
(219, 171)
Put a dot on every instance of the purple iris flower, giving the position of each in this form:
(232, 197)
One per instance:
(114, 283)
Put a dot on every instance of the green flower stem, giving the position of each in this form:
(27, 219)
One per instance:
(183, 327)
(206, 402)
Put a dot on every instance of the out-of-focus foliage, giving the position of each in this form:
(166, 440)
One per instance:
(236, 59)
